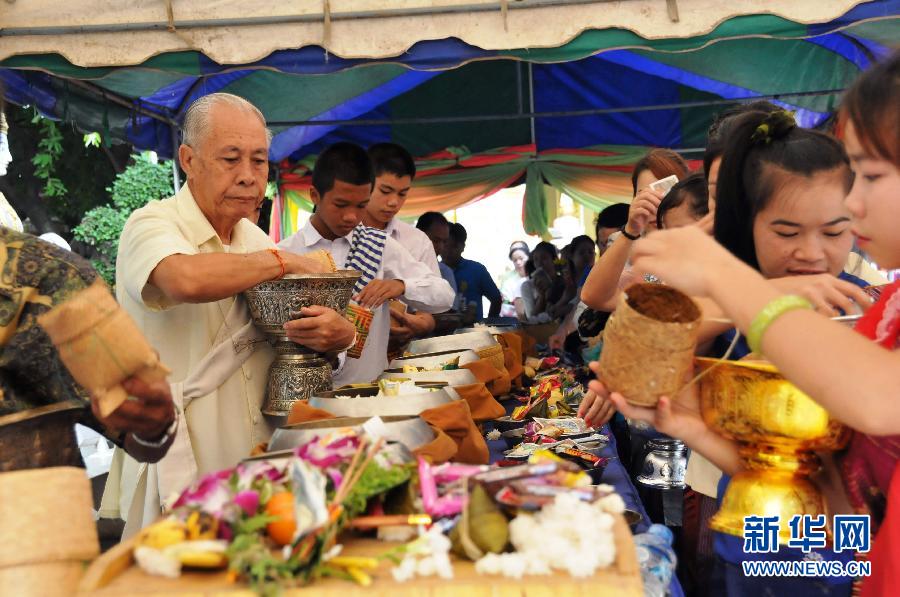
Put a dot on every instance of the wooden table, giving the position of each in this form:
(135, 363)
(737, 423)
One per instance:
(114, 573)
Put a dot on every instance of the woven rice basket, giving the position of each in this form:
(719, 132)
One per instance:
(644, 358)
(48, 512)
(50, 579)
(494, 354)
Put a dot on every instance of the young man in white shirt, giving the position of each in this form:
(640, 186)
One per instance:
(395, 170)
(342, 182)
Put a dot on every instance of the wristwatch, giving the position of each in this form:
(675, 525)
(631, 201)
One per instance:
(161, 441)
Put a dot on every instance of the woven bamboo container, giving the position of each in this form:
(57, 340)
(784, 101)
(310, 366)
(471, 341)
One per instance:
(649, 343)
(494, 354)
(47, 517)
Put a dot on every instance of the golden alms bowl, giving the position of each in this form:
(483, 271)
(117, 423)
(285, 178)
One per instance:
(778, 429)
(750, 401)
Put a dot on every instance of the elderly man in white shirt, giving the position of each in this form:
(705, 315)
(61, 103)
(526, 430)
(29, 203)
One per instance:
(342, 183)
(182, 265)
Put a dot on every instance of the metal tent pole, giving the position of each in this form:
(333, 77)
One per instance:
(384, 13)
(531, 104)
(553, 114)
(176, 176)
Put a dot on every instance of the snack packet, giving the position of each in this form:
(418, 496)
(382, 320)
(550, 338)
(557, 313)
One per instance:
(360, 317)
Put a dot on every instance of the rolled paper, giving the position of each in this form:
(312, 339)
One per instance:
(100, 345)
(371, 522)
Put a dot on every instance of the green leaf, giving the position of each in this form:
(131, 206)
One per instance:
(55, 188)
(92, 140)
(254, 523)
(42, 160)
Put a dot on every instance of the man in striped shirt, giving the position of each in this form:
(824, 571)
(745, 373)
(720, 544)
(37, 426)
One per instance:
(395, 170)
(342, 184)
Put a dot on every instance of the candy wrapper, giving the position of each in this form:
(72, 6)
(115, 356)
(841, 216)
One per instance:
(568, 426)
(360, 317)
(100, 345)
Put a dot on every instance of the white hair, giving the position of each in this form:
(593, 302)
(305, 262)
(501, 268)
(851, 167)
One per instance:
(196, 119)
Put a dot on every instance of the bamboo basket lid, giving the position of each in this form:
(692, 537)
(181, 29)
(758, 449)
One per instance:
(49, 512)
(49, 579)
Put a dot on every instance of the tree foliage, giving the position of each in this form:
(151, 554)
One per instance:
(143, 181)
(57, 174)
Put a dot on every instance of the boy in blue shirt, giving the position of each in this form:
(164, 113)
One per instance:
(472, 278)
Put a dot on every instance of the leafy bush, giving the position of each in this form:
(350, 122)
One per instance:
(142, 182)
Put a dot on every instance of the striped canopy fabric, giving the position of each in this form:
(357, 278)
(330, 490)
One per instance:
(492, 117)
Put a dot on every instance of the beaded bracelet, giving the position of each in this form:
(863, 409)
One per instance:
(769, 314)
(280, 262)
(628, 235)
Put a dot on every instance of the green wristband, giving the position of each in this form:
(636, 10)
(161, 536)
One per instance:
(769, 314)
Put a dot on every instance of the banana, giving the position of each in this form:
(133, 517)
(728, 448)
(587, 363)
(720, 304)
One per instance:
(362, 563)
(163, 534)
(199, 554)
(359, 576)
(202, 559)
(201, 525)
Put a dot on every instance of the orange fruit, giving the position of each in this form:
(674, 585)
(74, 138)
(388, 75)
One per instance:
(281, 505)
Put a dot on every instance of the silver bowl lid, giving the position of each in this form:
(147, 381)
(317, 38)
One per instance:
(453, 377)
(493, 329)
(666, 444)
(369, 405)
(411, 431)
(470, 340)
(436, 359)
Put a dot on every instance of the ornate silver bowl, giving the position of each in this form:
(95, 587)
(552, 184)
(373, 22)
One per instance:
(297, 371)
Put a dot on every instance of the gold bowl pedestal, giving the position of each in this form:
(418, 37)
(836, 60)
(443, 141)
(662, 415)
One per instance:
(779, 429)
(297, 371)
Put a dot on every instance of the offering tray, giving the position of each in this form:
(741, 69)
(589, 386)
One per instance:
(114, 573)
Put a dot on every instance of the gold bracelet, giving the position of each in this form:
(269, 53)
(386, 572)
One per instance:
(769, 314)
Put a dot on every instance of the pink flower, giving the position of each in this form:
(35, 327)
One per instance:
(225, 531)
(248, 500)
(250, 472)
(210, 493)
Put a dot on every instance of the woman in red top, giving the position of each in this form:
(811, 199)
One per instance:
(849, 374)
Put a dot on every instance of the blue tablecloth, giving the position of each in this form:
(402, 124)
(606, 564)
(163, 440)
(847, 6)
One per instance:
(615, 475)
